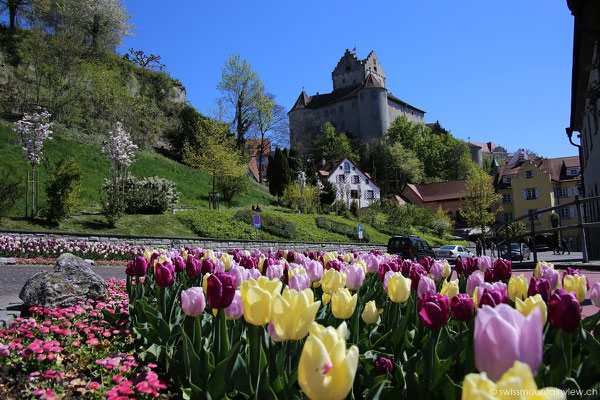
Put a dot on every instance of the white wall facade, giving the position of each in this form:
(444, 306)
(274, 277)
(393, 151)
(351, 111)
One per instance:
(352, 184)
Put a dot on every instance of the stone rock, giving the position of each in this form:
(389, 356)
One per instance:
(7, 261)
(89, 261)
(70, 281)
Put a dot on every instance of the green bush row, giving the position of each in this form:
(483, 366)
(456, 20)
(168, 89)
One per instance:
(269, 223)
(215, 224)
(341, 228)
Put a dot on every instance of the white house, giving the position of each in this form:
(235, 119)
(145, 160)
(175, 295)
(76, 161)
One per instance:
(350, 182)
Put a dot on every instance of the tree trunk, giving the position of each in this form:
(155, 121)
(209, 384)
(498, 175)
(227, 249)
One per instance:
(12, 15)
(260, 157)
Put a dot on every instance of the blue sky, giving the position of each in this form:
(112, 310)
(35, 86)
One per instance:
(490, 70)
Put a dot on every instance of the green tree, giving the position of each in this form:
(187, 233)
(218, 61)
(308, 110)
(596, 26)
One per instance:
(216, 153)
(479, 201)
(331, 145)
(10, 192)
(63, 189)
(232, 186)
(240, 88)
(16, 9)
(278, 173)
(393, 166)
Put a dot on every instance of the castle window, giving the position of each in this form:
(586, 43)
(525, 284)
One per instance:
(343, 80)
(354, 194)
(374, 111)
(529, 174)
(373, 94)
(375, 68)
(347, 69)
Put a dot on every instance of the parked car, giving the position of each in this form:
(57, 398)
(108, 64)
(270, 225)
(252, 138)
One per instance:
(409, 247)
(452, 252)
(519, 251)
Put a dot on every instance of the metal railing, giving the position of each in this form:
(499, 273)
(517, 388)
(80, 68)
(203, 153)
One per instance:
(531, 216)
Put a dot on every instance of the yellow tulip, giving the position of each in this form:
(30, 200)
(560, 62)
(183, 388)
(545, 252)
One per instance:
(530, 304)
(371, 314)
(261, 262)
(362, 264)
(257, 298)
(517, 381)
(148, 254)
(325, 298)
(296, 271)
(163, 258)
(326, 370)
(294, 313)
(184, 254)
(227, 260)
(399, 288)
(348, 257)
(343, 304)
(247, 253)
(447, 270)
(210, 254)
(449, 289)
(205, 282)
(329, 257)
(517, 287)
(475, 297)
(332, 280)
(576, 284)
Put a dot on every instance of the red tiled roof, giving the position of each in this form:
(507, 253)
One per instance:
(556, 167)
(439, 191)
(254, 146)
(253, 168)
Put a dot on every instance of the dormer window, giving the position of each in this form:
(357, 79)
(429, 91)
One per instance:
(346, 167)
(529, 174)
(506, 179)
(572, 171)
(521, 157)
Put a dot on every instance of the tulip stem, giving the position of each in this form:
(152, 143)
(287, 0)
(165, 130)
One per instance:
(197, 334)
(567, 339)
(223, 338)
(254, 358)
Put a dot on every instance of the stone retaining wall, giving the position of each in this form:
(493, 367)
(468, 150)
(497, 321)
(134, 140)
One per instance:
(222, 244)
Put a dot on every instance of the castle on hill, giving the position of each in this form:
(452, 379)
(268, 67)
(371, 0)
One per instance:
(359, 104)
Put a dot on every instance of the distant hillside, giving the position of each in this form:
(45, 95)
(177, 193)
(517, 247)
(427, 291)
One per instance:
(193, 185)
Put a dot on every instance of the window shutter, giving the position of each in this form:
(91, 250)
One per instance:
(524, 192)
(572, 212)
(575, 191)
(501, 200)
(537, 193)
(569, 191)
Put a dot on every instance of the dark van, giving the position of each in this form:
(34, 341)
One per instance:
(409, 247)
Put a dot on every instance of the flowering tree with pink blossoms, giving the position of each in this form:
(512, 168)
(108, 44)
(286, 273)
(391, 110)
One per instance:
(120, 151)
(32, 130)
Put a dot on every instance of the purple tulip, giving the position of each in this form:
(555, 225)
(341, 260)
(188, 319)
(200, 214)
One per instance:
(385, 267)
(275, 271)
(355, 277)
(165, 274)
(433, 309)
(179, 263)
(595, 294)
(473, 281)
(153, 258)
(490, 275)
(291, 256)
(248, 262)
(405, 267)
(192, 266)
(437, 270)
(548, 273)
(462, 307)
(314, 269)
(254, 273)
(564, 311)
(239, 274)
(335, 264)
(426, 285)
(372, 263)
(137, 267)
(236, 309)
(220, 290)
(415, 274)
(383, 366)
(502, 269)
(502, 336)
(467, 266)
(299, 282)
(491, 297)
(539, 286)
(485, 263)
(193, 301)
(386, 278)
(208, 266)
(427, 262)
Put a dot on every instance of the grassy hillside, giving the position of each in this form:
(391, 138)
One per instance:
(192, 185)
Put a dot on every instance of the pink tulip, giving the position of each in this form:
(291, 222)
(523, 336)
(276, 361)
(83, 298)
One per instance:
(193, 301)
(314, 269)
(595, 294)
(426, 285)
(236, 309)
(503, 335)
(299, 282)
(355, 277)
(473, 281)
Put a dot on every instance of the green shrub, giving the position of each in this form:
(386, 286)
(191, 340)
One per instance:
(354, 210)
(231, 186)
(215, 224)
(269, 223)
(10, 192)
(112, 203)
(151, 195)
(63, 190)
(341, 228)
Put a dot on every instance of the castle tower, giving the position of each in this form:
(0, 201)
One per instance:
(373, 109)
(350, 71)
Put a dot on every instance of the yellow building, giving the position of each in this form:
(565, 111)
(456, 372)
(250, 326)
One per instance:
(527, 182)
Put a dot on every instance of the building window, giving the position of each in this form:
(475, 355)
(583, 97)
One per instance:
(506, 217)
(370, 194)
(341, 178)
(529, 174)
(343, 80)
(506, 179)
(347, 69)
(564, 213)
(536, 216)
(346, 167)
(355, 179)
(531, 193)
(572, 171)
(373, 94)
(333, 111)
(507, 198)
(563, 192)
(366, 181)
(375, 69)
(354, 194)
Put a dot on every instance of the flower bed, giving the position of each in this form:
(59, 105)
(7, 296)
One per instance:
(33, 248)
(85, 351)
(52, 261)
(365, 325)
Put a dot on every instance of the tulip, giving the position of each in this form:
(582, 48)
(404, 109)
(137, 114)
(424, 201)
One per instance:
(564, 311)
(531, 303)
(192, 266)
(355, 277)
(539, 265)
(372, 263)
(503, 335)
(272, 333)
(399, 288)
(540, 286)
(386, 279)
(293, 313)
(437, 271)
(207, 266)
(517, 287)
(426, 285)
(449, 289)
(427, 262)
(405, 267)
(577, 285)
(502, 269)
(433, 310)
(371, 313)
(257, 297)
(290, 256)
(220, 290)
(473, 281)
(595, 294)
(165, 274)
(385, 267)
(299, 282)
(326, 370)
(573, 271)
(314, 269)
(179, 263)
(192, 301)
(343, 304)
(462, 307)
(240, 274)
(549, 274)
(332, 280)
(227, 259)
(490, 296)
(138, 268)
(518, 379)
(415, 273)
(236, 309)
(383, 366)
(485, 263)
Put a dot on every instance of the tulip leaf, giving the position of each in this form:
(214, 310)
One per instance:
(376, 390)
(191, 362)
(590, 323)
(229, 371)
(152, 353)
(450, 389)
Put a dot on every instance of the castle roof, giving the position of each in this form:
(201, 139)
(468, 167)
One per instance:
(345, 93)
